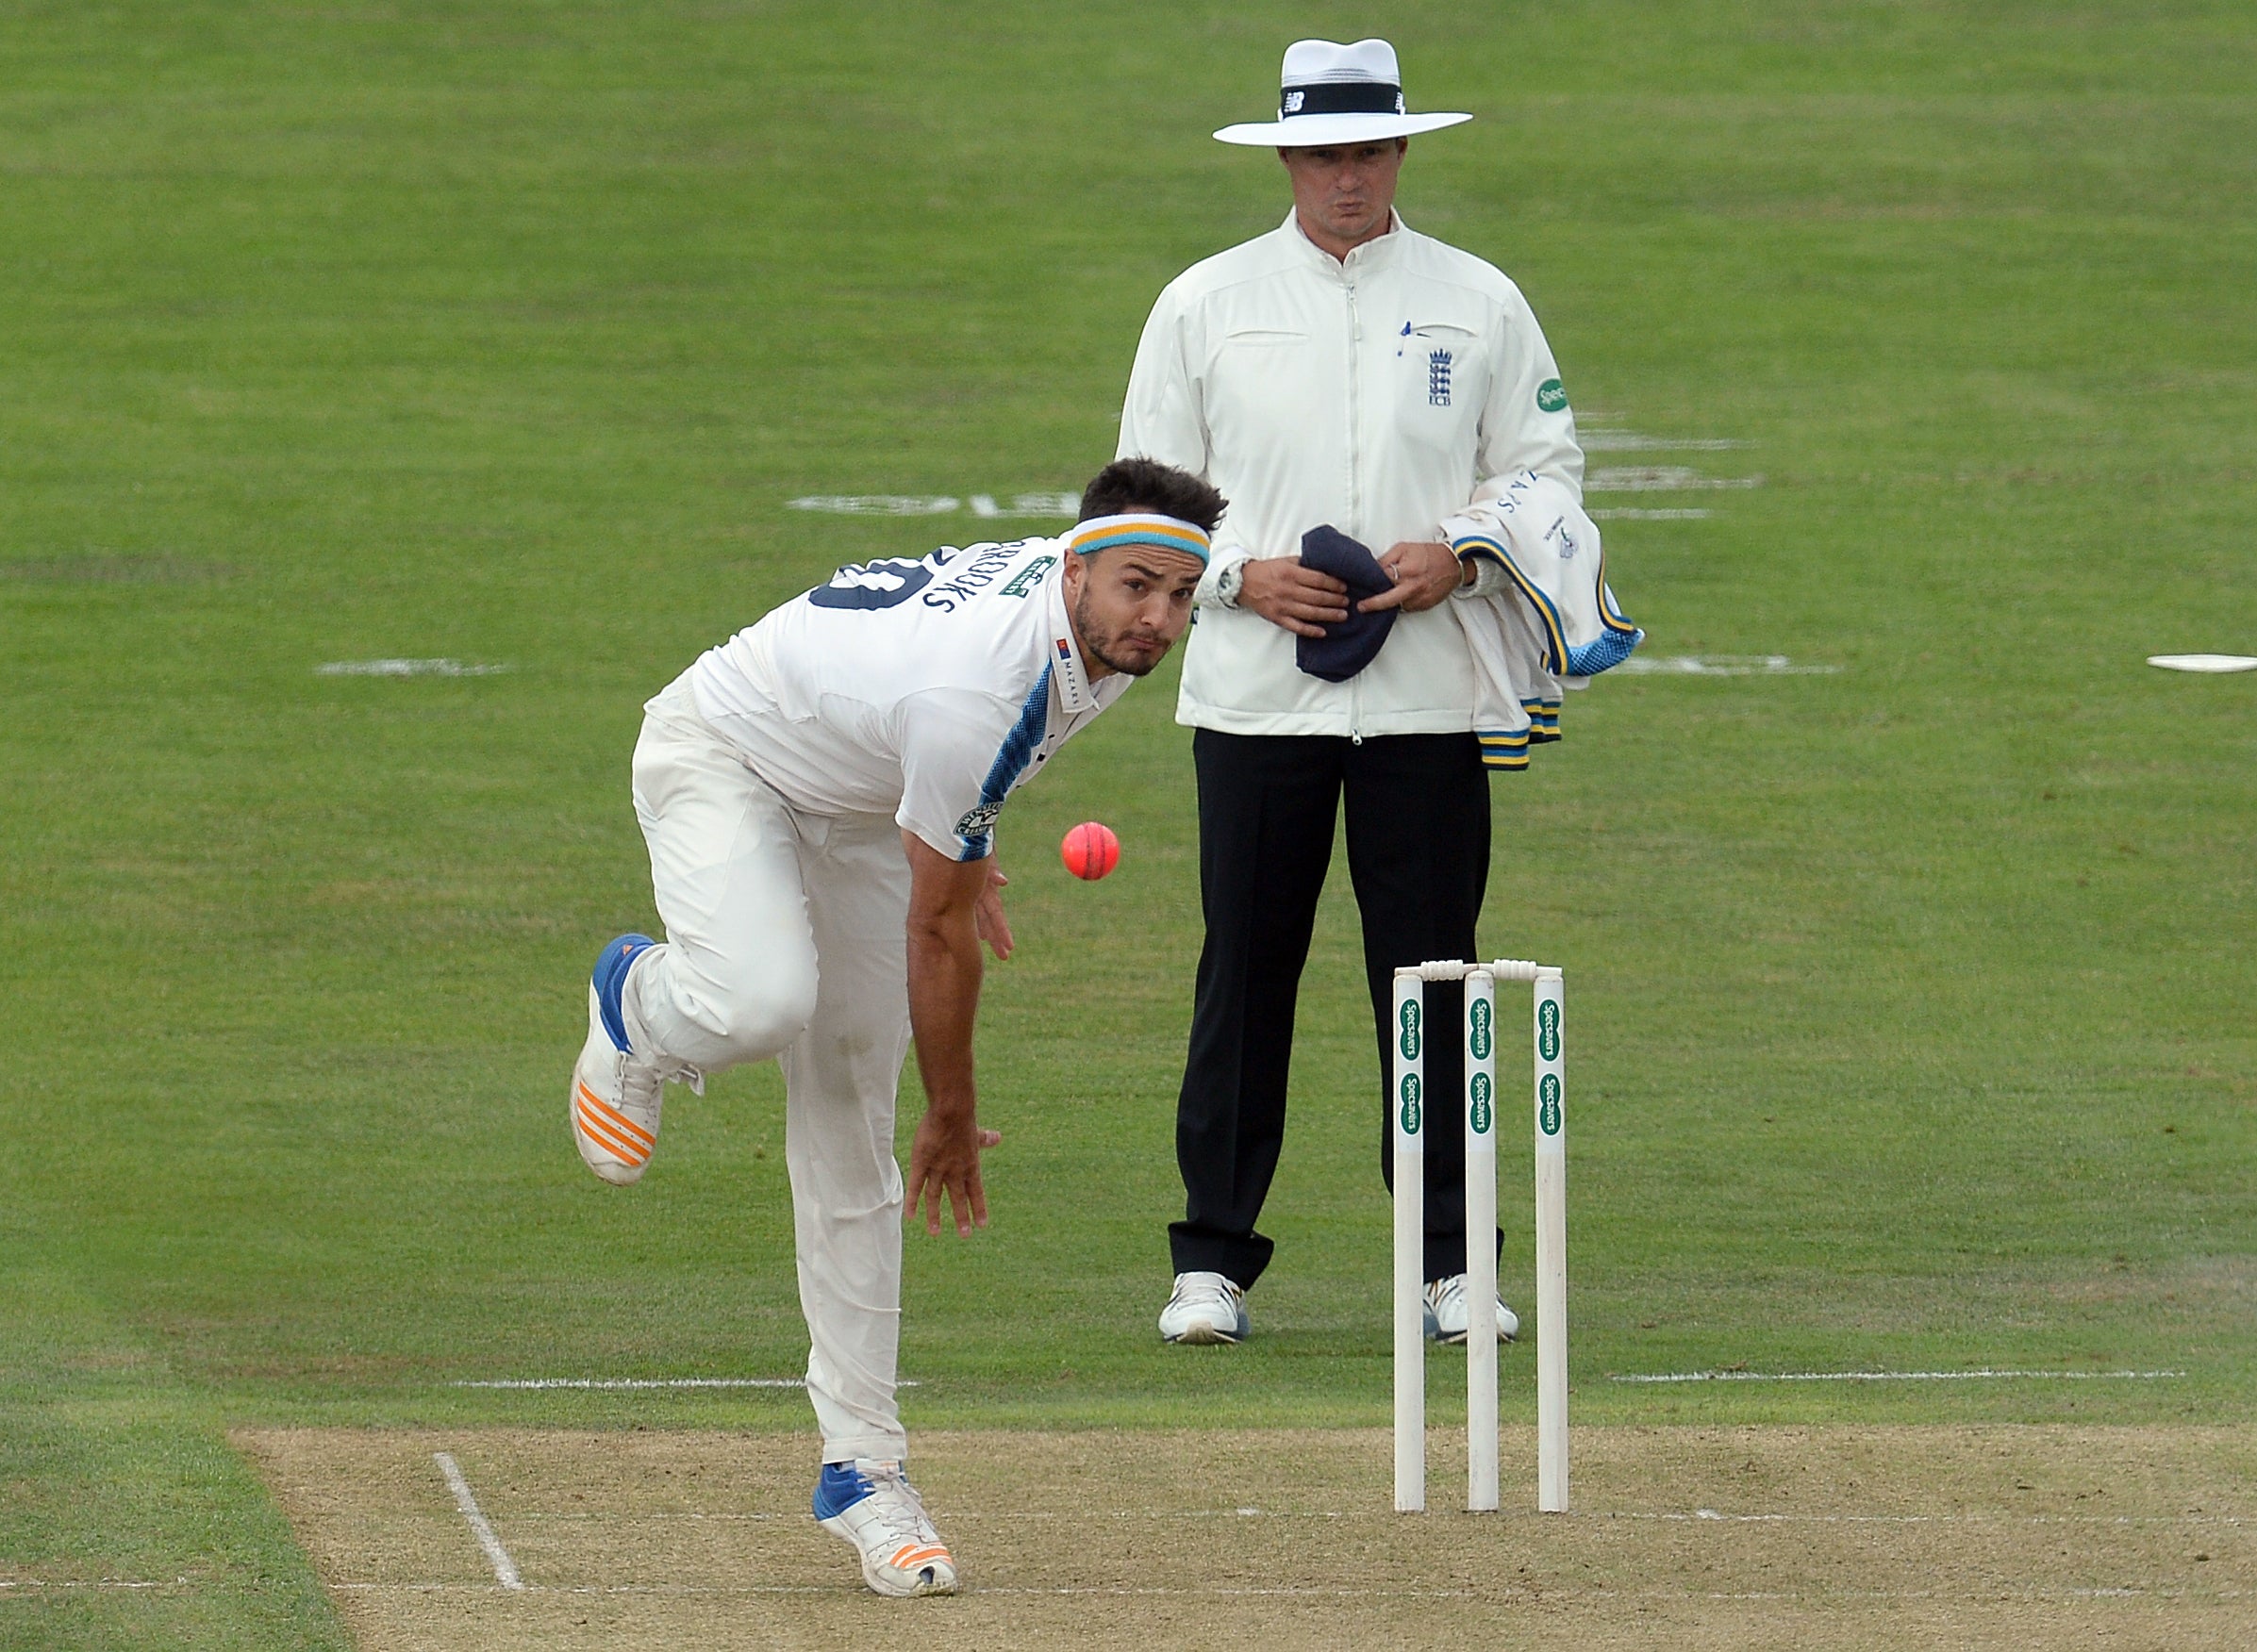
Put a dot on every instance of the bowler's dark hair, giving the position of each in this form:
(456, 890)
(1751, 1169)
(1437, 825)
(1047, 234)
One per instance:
(1127, 485)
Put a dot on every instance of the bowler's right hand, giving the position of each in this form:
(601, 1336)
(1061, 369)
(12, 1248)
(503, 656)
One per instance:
(1291, 597)
(945, 1158)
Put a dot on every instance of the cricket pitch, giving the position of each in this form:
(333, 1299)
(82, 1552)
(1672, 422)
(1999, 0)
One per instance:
(1765, 1537)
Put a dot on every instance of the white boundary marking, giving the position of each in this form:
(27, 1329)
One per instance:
(1626, 513)
(1062, 506)
(1658, 479)
(2205, 664)
(1614, 439)
(93, 1583)
(1985, 1375)
(505, 1569)
(1718, 666)
(643, 1383)
(405, 669)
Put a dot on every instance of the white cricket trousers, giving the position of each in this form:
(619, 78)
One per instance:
(786, 937)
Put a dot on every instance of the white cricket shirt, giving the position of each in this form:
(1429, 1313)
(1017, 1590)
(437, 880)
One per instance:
(1375, 393)
(927, 690)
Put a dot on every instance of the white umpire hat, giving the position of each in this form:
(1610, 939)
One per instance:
(1329, 93)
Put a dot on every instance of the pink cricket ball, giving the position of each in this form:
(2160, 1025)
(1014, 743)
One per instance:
(1090, 850)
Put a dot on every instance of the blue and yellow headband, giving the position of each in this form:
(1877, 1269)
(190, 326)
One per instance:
(1139, 528)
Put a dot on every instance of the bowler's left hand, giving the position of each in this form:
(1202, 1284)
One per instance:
(1425, 572)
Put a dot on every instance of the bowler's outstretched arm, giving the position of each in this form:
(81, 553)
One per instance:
(946, 898)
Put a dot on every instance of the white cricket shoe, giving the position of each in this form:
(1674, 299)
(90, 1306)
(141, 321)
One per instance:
(1205, 1308)
(874, 1506)
(1446, 1312)
(615, 1097)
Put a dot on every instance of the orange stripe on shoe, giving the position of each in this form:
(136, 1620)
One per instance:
(624, 1153)
(614, 1116)
(917, 1555)
(596, 1130)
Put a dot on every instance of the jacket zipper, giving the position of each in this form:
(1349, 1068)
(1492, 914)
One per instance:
(1355, 494)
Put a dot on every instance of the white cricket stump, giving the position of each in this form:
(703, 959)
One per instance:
(1477, 1116)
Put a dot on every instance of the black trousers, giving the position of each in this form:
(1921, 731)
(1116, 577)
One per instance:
(1418, 811)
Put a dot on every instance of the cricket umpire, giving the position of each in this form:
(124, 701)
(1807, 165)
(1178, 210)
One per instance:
(1342, 370)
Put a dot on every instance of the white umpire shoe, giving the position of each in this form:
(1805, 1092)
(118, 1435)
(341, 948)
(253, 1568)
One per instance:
(615, 1097)
(1205, 1308)
(1446, 1312)
(874, 1506)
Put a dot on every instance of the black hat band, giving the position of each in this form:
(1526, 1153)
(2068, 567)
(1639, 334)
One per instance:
(1341, 97)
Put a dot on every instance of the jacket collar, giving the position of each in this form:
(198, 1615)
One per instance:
(1376, 253)
(1076, 694)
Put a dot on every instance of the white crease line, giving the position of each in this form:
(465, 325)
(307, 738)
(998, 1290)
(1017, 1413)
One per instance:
(1892, 1375)
(1331, 1592)
(1632, 514)
(974, 1517)
(1934, 1519)
(505, 1569)
(1509, 1591)
(645, 1382)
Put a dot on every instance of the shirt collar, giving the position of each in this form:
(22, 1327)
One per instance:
(1067, 672)
(1378, 250)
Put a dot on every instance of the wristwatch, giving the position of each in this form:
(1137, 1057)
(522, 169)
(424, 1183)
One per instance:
(1227, 584)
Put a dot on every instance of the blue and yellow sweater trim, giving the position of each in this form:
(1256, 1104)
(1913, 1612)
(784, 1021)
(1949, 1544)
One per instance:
(1609, 649)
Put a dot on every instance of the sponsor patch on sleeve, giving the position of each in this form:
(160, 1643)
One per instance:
(1552, 396)
(979, 821)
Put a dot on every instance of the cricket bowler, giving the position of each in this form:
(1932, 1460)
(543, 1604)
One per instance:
(819, 795)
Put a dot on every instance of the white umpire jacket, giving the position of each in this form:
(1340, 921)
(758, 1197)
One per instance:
(1385, 394)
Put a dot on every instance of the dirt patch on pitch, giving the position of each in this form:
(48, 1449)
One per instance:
(1775, 1537)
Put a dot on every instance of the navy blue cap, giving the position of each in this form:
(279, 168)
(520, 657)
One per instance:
(1348, 645)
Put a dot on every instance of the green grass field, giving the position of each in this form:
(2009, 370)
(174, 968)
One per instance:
(1913, 1007)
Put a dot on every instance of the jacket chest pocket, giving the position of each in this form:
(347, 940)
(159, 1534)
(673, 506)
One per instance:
(1264, 380)
(1440, 379)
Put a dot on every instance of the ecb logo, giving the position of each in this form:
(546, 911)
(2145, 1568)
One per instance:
(1480, 1114)
(1438, 378)
(1548, 1029)
(1410, 1104)
(1477, 1034)
(1548, 1105)
(1410, 1029)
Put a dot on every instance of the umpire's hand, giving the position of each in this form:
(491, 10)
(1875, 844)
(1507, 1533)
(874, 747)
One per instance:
(1424, 570)
(1298, 599)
